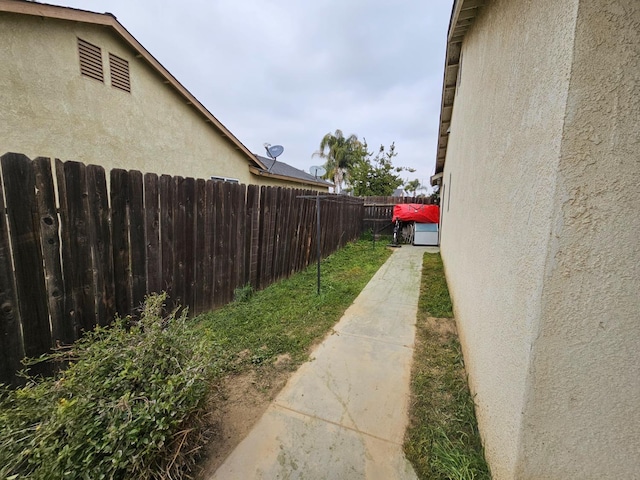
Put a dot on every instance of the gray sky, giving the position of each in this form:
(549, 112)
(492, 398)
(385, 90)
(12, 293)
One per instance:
(287, 72)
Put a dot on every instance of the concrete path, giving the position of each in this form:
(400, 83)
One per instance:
(343, 414)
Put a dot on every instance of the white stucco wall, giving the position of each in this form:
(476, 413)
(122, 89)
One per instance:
(582, 415)
(49, 109)
(503, 154)
(540, 235)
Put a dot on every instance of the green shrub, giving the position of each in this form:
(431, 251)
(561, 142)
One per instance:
(126, 407)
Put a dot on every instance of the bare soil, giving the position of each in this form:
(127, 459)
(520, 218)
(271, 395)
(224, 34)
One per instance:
(444, 328)
(237, 404)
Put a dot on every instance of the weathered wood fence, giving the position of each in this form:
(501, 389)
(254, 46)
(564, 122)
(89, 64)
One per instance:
(379, 210)
(72, 254)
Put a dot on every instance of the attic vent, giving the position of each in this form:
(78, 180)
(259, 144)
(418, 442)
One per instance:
(119, 69)
(90, 60)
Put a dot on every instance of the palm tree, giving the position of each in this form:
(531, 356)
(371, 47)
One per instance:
(340, 153)
(413, 186)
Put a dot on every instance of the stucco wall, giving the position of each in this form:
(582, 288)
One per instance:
(499, 184)
(49, 109)
(276, 182)
(582, 419)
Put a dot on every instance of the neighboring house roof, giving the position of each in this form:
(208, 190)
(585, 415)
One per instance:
(463, 14)
(110, 21)
(283, 171)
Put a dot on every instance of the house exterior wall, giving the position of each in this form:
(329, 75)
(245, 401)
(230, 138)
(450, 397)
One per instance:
(277, 182)
(540, 235)
(502, 157)
(581, 416)
(49, 109)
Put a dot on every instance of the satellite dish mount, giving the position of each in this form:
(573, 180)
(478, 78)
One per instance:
(273, 151)
(317, 171)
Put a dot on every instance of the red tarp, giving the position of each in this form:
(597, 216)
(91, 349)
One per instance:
(415, 212)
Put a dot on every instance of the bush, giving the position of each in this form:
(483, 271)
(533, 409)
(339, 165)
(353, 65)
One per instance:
(126, 407)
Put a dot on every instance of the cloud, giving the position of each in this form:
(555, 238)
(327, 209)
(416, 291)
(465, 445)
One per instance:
(287, 72)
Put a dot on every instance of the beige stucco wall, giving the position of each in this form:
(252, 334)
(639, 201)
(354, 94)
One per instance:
(277, 182)
(503, 153)
(582, 416)
(540, 235)
(49, 109)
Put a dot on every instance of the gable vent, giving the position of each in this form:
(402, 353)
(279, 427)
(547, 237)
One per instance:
(90, 60)
(119, 69)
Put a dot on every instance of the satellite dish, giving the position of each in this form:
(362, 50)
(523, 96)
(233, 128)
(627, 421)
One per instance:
(317, 171)
(274, 150)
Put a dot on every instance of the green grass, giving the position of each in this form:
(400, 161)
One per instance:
(289, 316)
(434, 296)
(442, 441)
(132, 403)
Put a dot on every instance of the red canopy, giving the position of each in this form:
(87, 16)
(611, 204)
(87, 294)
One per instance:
(416, 212)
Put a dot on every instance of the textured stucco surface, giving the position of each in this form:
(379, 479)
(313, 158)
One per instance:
(503, 152)
(582, 414)
(540, 235)
(49, 109)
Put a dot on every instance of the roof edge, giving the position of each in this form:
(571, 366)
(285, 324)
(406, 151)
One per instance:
(264, 173)
(109, 20)
(463, 15)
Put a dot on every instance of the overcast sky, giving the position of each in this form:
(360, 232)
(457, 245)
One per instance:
(289, 71)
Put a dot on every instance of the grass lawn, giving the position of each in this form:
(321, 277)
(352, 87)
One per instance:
(288, 317)
(442, 441)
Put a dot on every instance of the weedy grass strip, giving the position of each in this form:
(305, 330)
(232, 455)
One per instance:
(442, 440)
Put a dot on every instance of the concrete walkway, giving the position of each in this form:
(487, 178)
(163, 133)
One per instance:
(343, 414)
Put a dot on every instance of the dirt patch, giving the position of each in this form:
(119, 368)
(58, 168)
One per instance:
(237, 404)
(444, 328)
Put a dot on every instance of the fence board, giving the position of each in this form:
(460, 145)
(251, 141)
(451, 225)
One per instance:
(102, 252)
(189, 241)
(234, 257)
(218, 260)
(11, 344)
(310, 224)
(209, 245)
(289, 232)
(269, 233)
(19, 190)
(200, 210)
(307, 224)
(167, 199)
(79, 267)
(277, 216)
(137, 244)
(120, 232)
(61, 328)
(229, 235)
(241, 236)
(179, 240)
(152, 233)
(253, 234)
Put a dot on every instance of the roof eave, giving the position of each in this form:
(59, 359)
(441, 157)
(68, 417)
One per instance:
(265, 173)
(463, 14)
(109, 20)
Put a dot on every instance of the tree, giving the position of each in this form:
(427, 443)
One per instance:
(377, 175)
(340, 154)
(412, 186)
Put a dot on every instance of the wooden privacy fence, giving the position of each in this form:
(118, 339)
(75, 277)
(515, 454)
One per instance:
(379, 210)
(72, 254)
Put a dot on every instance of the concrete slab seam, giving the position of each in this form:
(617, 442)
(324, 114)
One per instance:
(374, 339)
(298, 412)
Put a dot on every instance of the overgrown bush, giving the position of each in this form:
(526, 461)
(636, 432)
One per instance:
(126, 407)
